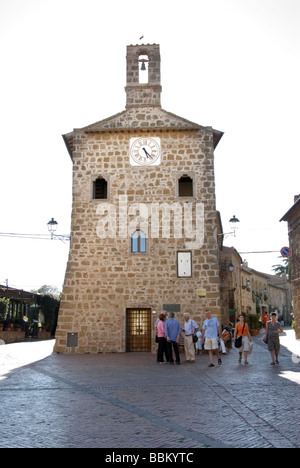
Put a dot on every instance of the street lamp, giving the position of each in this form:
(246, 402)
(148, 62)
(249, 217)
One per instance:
(52, 227)
(233, 224)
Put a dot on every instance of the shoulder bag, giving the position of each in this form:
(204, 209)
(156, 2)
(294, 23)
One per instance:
(239, 341)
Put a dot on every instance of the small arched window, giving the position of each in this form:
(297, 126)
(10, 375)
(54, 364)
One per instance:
(185, 186)
(138, 242)
(100, 189)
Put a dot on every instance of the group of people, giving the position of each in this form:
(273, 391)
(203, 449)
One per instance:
(272, 330)
(169, 333)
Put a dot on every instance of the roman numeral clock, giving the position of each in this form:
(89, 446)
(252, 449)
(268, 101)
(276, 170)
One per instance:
(145, 151)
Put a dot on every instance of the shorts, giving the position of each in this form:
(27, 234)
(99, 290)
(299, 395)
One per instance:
(211, 343)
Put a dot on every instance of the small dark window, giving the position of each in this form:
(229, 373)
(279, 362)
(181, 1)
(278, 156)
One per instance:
(100, 189)
(185, 186)
(138, 242)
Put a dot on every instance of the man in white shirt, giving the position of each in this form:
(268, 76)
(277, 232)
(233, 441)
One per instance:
(190, 328)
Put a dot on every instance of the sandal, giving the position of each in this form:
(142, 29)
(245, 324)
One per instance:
(211, 365)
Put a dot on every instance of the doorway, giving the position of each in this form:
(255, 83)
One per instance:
(138, 330)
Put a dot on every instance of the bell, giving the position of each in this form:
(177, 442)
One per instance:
(143, 67)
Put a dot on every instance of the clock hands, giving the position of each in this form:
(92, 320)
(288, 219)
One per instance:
(147, 154)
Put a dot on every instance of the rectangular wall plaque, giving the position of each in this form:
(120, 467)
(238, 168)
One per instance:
(172, 307)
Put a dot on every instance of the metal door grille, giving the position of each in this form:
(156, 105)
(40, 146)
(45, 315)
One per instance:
(138, 330)
(72, 340)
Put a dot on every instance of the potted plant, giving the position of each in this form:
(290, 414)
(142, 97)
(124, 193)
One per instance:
(254, 324)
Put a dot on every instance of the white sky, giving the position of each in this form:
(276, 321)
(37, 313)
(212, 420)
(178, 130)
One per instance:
(230, 64)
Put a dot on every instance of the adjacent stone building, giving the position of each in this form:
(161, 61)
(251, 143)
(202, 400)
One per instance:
(249, 291)
(144, 223)
(293, 219)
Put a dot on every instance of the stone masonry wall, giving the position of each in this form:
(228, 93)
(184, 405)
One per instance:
(294, 237)
(103, 278)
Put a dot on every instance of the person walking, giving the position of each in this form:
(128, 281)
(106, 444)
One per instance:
(198, 345)
(211, 331)
(162, 342)
(190, 329)
(265, 318)
(173, 332)
(273, 328)
(242, 330)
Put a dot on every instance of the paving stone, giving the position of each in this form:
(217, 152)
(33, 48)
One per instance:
(128, 400)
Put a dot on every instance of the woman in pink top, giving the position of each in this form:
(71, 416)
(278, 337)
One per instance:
(162, 342)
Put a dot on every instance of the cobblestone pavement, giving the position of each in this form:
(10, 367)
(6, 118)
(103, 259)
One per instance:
(128, 400)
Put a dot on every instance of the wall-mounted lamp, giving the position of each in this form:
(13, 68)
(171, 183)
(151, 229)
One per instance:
(233, 226)
(52, 227)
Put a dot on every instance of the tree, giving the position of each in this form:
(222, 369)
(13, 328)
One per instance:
(49, 308)
(4, 307)
(48, 303)
(282, 270)
(49, 290)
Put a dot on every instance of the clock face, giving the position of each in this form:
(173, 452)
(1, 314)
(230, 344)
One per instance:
(145, 152)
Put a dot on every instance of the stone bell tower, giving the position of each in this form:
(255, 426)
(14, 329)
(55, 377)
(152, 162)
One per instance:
(144, 221)
(143, 76)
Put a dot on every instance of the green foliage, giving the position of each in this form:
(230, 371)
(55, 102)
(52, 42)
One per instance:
(254, 323)
(283, 270)
(4, 306)
(49, 306)
(48, 290)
